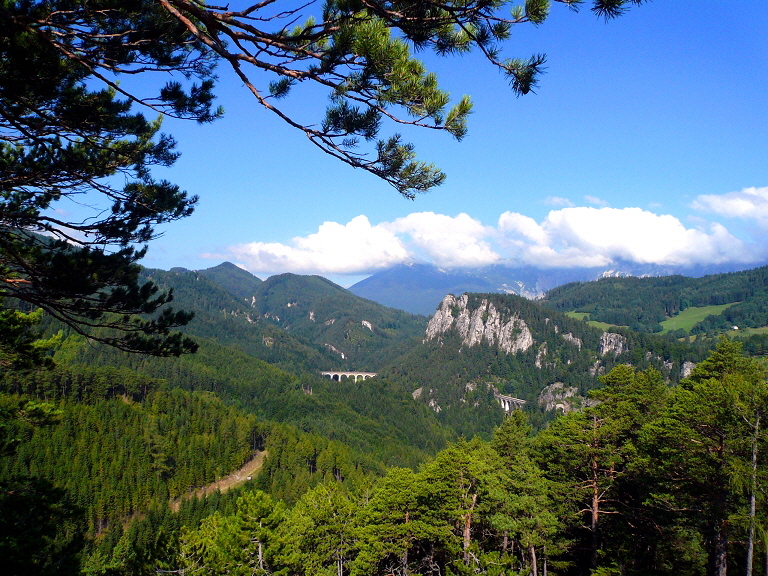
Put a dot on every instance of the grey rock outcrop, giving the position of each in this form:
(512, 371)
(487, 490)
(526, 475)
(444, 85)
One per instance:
(484, 324)
(569, 337)
(541, 354)
(612, 342)
(558, 396)
(335, 350)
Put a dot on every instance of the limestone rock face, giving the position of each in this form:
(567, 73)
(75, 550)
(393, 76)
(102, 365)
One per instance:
(569, 337)
(335, 350)
(596, 368)
(687, 369)
(558, 396)
(442, 319)
(541, 354)
(484, 324)
(611, 342)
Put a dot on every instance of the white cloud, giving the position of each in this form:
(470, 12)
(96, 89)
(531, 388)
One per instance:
(522, 230)
(567, 237)
(587, 236)
(557, 201)
(447, 241)
(748, 204)
(594, 200)
(354, 248)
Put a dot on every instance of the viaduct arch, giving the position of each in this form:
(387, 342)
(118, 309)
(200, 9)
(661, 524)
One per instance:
(339, 375)
(509, 403)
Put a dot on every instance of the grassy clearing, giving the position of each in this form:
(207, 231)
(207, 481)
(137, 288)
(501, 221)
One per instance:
(747, 331)
(584, 315)
(691, 316)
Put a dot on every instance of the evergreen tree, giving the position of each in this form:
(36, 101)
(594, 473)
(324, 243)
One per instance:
(62, 138)
(705, 447)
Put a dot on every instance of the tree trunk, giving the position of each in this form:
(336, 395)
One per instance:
(595, 499)
(752, 491)
(534, 563)
(721, 548)
(404, 560)
(468, 529)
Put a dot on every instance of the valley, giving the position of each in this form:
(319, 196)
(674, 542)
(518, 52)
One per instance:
(260, 431)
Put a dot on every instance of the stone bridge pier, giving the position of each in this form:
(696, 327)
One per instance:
(509, 403)
(339, 375)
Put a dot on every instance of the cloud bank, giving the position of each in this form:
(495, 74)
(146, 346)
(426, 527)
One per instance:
(749, 204)
(570, 236)
(586, 237)
(354, 248)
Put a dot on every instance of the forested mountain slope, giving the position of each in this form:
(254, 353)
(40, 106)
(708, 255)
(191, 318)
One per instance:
(361, 332)
(119, 447)
(222, 317)
(477, 345)
(302, 323)
(403, 434)
(238, 282)
(642, 303)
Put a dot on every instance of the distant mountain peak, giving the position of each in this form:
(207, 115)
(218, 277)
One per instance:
(236, 280)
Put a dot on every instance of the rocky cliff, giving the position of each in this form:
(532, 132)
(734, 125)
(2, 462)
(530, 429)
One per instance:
(485, 323)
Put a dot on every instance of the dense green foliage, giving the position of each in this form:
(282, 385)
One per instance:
(64, 136)
(322, 326)
(630, 486)
(118, 448)
(343, 411)
(643, 303)
(636, 484)
(125, 441)
(461, 379)
(226, 319)
(238, 282)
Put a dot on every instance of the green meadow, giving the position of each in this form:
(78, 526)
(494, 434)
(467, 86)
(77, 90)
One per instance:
(689, 317)
(584, 316)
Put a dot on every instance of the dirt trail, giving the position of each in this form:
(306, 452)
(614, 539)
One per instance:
(237, 478)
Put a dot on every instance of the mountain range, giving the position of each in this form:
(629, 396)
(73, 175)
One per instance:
(475, 347)
(137, 432)
(419, 288)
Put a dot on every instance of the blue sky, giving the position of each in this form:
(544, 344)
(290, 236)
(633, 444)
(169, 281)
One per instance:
(646, 141)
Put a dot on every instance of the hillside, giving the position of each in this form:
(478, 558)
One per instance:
(643, 304)
(238, 282)
(350, 331)
(477, 345)
(419, 288)
(180, 425)
(222, 317)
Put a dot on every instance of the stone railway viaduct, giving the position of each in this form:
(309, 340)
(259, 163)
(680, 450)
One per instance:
(339, 375)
